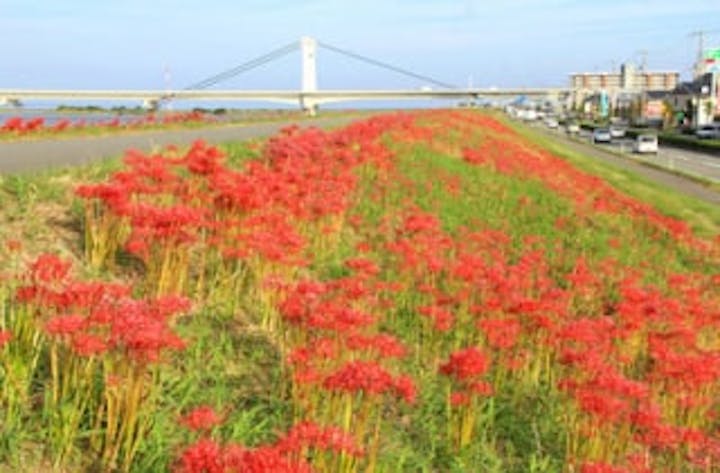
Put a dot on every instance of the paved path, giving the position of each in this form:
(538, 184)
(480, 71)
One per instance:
(26, 156)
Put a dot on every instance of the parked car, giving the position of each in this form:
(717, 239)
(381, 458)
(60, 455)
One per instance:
(617, 131)
(646, 143)
(708, 132)
(601, 135)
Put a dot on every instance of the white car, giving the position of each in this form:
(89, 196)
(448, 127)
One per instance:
(572, 128)
(530, 115)
(601, 135)
(617, 132)
(646, 143)
(551, 123)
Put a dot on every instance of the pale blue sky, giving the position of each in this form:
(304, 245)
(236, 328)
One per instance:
(128, 44)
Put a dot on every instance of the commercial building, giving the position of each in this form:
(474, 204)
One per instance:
(618, 88)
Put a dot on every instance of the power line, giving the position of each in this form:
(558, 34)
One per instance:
(385, 65)
(244, 67)
(701, 46)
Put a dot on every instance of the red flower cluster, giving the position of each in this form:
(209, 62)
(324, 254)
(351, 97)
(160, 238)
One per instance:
(466, 364)
(92, 318)
(201, 419)
(5, 336)
(20, 126)
(628, 356)
(286, 455)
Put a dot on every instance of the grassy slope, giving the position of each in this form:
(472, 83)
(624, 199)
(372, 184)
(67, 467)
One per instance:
(230, 366)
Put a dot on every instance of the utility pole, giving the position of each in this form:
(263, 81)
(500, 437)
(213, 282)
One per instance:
(699, 70)
(701, 46)
(643, 59)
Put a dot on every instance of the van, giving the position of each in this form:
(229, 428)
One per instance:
(646, 143)
(709, 131)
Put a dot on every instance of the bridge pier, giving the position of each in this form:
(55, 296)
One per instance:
(8, 102)
(150, 104)
(309, 106)
(308, 52)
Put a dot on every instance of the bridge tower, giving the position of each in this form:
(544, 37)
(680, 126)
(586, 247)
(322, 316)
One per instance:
(308, 51)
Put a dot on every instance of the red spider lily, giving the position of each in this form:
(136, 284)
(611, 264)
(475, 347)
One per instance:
(204, 456)
(208, 456)
(86, 345)
(405, 388)
(459, 398)
(13, 124)
(305, 306)
(71, 296)
(5, 336)
(363, 266)
(48, 267)
(466, 364)
(660, 436)
(481, 388)
(385, 345)
(61, 125)
(201, 418)
(309, 434)
(603, 406)
(34, 124)
(501, 334)
(602, 468)
(13, 246)
(203, 159)
(367, 377)
(510, 155)
(65, 325)
(143, 337)
(238, 459)
(443, 319)
(354, 288)
(302, 299)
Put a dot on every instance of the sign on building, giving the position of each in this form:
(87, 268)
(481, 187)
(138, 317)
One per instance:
(711, 58)
(654, 109)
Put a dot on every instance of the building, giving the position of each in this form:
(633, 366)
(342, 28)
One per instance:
(698, 101)
(693, 99)
(619, 87)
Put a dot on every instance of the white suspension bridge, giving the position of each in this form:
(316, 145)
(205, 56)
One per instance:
(309, 97)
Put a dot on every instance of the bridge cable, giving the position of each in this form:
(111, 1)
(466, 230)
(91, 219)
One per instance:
(245, 67)
(252, 64)
(386, 66)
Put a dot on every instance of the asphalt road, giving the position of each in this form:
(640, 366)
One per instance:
(694, 163)
(31, 155)
(688, 162)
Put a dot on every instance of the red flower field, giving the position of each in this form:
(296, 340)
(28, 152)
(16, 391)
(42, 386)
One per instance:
(424, 291)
